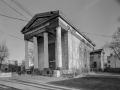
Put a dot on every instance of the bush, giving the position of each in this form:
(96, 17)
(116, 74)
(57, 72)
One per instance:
(113, 70)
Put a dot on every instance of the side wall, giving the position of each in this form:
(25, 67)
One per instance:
(97, 59)
(78, 55)
(64, 40)
(114, 62)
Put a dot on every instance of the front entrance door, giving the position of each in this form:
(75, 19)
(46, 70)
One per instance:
(52, 64)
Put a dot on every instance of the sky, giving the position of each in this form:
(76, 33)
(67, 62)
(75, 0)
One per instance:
(90, 16)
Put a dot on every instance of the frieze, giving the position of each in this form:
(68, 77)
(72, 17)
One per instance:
(34, 34)
(77, 36)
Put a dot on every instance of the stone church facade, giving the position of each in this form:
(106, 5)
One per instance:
(58, 44)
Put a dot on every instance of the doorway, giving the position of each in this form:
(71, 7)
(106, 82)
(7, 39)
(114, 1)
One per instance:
(51, 48)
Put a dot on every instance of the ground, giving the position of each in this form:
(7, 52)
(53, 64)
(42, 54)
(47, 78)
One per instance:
(101, 81)
(93, 82)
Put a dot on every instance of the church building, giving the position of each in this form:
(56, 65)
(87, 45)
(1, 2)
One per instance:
(58, 44)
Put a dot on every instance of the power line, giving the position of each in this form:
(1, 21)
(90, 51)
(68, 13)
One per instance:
(11, 35)
(23, 39)
(86, 32)
(13, 18)
(28, 12)
(22, 7)
(28, 21)
(14, 9)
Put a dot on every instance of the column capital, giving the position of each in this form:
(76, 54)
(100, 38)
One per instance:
(58, 27)
(69, 31)
(25, 40)
(45, 32)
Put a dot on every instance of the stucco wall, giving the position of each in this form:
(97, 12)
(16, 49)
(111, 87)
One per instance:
(96, 58)
(79, 54)
(64, 51)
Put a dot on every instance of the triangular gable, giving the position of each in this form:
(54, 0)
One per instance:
(38, 19)
(38, 22)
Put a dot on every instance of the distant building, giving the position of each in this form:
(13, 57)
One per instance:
(97, 59)
(113, 61)
(13, 62)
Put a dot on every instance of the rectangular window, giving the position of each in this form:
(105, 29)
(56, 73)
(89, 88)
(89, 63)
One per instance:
(109, 61)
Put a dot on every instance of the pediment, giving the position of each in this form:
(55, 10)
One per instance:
(38, 22)
(39, 19)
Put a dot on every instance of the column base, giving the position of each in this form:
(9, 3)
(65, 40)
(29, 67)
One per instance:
(27, 71)
(48, 72)
(36, 71)
(57, 73)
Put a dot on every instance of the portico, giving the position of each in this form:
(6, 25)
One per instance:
(43, 39)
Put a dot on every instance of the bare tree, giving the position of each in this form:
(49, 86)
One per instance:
(31, 54)
(115, 44)
(4, 52)
(118, 19)
(23, 67)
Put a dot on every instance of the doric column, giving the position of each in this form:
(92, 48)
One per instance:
(58, 47)
(35, 52)
(26, 55)
(46, 60)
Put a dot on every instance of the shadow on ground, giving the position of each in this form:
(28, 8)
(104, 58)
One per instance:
(96, 82)
(4, 87)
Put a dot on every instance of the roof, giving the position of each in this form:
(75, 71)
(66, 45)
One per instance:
(96, 51)
(49, 16)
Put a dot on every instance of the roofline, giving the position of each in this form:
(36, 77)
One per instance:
(97, 50)
(73, 26)
(60, 14)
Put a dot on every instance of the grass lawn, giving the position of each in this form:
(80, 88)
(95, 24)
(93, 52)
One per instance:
(92, 82)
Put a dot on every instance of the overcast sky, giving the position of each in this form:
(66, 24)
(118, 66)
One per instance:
(90, 16)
